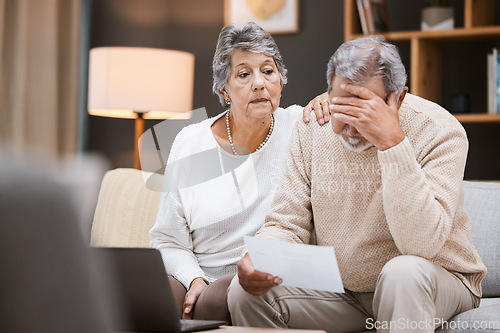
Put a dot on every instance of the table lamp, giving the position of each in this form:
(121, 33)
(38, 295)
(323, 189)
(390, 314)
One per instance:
(140, 83)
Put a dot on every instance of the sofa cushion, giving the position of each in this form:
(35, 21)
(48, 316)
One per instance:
(482, 201)
(481, 320)
(126, 210)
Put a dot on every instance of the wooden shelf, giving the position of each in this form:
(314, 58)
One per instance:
(426, 59)
(459, 34)
(477, 118)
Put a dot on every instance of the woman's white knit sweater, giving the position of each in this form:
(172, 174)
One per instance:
(214, 198)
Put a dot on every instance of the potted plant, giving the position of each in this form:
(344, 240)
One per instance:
(438, 16)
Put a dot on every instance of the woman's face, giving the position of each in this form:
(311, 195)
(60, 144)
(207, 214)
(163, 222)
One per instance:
(254, 85)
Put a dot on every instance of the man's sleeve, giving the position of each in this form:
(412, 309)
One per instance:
(290, 216)
(422, 190)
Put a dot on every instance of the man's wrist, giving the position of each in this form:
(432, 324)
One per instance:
(393, 142)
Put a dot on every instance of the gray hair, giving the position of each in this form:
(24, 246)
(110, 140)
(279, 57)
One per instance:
(363, 58)
(249, 38)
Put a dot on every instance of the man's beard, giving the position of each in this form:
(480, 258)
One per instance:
(356, 143)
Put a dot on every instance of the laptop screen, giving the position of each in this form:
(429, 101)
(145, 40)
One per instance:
(142, 292)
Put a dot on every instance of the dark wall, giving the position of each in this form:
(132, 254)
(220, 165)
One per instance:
(194, 25)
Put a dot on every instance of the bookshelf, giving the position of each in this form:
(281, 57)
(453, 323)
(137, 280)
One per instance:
(425, 49)
(478, 118)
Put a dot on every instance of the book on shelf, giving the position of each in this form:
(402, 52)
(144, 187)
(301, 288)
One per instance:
(373, 16)
(362, 16)
(493, 68)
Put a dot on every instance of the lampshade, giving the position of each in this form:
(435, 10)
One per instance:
(125, 81)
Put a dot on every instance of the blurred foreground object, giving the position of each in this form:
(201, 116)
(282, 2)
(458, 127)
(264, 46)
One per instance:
(48, 282)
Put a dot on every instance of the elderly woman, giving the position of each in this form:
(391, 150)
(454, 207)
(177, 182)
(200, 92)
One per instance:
(235, 164)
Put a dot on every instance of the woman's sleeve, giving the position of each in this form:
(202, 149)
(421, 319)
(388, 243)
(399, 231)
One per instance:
(171, 234)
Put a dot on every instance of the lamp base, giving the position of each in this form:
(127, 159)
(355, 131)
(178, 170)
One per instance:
(139, 129)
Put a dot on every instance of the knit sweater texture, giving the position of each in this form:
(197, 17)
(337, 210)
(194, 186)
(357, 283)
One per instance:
(214, 198)
(377, 205)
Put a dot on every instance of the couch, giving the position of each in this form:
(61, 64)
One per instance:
(126, 210)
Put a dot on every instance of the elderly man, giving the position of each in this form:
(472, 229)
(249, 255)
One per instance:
(385, 190)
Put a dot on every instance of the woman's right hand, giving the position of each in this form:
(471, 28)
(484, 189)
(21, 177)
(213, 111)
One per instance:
(320, 106)
(195, 289)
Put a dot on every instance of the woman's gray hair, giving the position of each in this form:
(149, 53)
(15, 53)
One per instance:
(366, 57)
(249, 38)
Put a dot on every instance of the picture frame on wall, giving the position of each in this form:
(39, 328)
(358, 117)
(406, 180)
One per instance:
(274, 16)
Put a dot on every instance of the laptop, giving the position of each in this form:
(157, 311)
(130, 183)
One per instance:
(143, 292)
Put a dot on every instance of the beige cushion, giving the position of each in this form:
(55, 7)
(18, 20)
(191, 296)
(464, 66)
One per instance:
(126, 210)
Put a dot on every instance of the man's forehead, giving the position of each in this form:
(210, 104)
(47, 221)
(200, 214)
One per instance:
(375, 84)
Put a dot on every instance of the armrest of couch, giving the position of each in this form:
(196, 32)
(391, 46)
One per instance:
(482, 201)
(126, 210)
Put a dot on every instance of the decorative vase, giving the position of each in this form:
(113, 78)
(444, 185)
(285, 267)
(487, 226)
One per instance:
(437, 18)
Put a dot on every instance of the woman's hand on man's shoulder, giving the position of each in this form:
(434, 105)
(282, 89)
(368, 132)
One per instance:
(320, 106)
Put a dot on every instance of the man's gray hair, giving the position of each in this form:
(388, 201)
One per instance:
(366, 57)
(249, 38)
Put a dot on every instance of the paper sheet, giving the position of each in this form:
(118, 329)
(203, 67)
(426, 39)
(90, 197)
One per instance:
(298, 265)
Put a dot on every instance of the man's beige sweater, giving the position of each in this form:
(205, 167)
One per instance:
(377, 205)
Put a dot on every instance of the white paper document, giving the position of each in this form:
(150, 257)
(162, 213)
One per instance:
(298, 265)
